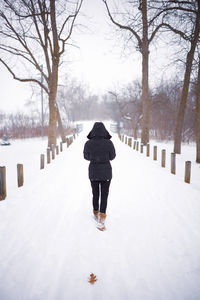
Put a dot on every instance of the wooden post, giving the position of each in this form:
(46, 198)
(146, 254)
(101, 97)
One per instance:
(163, 160)
(61, 147)
(42, 161)
(53, 151)
(48, 155)
(155, 153)
(57, 150)
(20, 175)
(187, 171)
(173, 163)
(130, 142)
(137, 146)
(141, 148)
(134, 145)
(122, 138)
(148, 150)
(67, 142)
(126, 140)
(2, 183)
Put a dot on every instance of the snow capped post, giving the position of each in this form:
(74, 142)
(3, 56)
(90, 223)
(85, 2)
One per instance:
(67, 142)
(134, 145)
(53, 151)
(155, 153)
(41, 161)
(173, 163)
(57, 150)
(137, 146)
(163, 158)
(141, 148)
(2, 183)
(148, 150)
(187, 171)
(20, 175)
(130, 142)
(61, 147)
(48, 156)
(126, 140)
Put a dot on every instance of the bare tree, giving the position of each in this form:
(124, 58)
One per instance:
(128, 104)
(36, 33)
(73, 100)
(183, 19)
(138, 25)
(164, 106)
(197, 133)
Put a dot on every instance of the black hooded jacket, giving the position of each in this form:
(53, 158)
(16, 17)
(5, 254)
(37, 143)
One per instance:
(99, 150)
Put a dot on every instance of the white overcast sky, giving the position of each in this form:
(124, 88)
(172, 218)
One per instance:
(98, 61)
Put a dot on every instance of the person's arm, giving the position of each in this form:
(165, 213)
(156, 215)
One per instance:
(86, 152)
(112, 153)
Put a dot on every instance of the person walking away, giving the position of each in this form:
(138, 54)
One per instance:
(99, 150)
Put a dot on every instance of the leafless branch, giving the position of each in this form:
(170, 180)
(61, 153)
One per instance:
(23, 79)
(71, 27)
(124, 27)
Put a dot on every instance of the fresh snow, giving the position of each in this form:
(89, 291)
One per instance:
(49, 243)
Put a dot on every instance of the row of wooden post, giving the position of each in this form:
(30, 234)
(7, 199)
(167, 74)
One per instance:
(20, 180)
(20, 171)
(135, 146)
(54, 150)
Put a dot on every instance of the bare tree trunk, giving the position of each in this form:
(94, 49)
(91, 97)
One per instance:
(62, 134)
(133, 128)
(182, 107)
(52, 104)
(52, 123)
(145, 98)
(198, 117)
(53, 83)
(135, 135)
(145, 76)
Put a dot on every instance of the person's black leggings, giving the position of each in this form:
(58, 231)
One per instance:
(98, 186)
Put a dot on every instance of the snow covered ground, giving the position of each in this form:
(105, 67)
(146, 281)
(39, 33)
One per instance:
(49, 244)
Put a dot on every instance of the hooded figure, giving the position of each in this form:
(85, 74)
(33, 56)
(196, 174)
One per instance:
(99, 150)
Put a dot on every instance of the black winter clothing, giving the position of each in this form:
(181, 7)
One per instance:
(100, 188)
(99, 150)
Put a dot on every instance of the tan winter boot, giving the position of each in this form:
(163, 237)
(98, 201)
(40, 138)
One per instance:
(102, 219)
(96, 214)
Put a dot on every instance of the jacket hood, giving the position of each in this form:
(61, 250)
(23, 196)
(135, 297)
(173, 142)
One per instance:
(99, 130)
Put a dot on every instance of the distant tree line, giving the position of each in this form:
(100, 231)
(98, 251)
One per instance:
(22, 125)
(125, 105)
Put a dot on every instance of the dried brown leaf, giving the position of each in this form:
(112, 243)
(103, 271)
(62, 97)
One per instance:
(92, 278)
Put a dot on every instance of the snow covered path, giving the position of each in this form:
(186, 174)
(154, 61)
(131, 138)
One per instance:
(50, 245)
